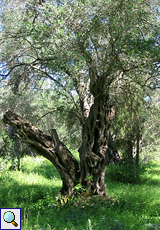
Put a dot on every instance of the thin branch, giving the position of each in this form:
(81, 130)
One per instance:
(56, 81)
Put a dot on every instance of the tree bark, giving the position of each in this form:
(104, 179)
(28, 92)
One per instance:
(48, 146)
(95, 137)
(130, 152)
(137, 152)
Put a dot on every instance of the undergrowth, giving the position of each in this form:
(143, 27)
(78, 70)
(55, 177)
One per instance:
(35, 188)
(129, 173)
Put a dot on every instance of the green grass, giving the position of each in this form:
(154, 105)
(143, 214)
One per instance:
(34, 187)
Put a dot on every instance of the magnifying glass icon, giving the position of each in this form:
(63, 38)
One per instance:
(9, 217)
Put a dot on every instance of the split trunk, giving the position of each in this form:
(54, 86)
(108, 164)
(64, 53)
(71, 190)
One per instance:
(92, 152)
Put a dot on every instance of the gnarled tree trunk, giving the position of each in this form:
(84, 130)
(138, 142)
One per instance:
(48, 146)
(94, 146)
(95, 136)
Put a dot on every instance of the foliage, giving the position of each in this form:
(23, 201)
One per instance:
(7, 144)
(151, 134)
(129, 119)
(126, 173)
(53, 42)
(136, 114)
(69, 41)
(6, 152)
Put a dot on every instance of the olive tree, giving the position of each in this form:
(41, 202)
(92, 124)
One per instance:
(86, 48)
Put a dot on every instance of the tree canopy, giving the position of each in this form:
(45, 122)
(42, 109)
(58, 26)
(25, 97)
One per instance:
(75, 42)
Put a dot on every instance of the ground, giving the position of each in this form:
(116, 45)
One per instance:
(33, 189)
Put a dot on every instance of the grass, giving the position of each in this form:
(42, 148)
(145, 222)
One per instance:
(34, 187)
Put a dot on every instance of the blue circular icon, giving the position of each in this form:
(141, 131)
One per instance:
(9, 216)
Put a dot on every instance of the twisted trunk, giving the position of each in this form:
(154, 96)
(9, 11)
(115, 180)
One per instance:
(48, 146)
(95, 137)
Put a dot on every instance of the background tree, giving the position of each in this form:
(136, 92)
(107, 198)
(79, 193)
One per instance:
(85, 49)
(150, 138)
(129, 121)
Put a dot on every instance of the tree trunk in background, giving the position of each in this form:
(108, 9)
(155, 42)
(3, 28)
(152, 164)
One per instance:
(137, 154)
(95, 137)
(129, 152)
(49, 147)
(15, 148)
(112, 155)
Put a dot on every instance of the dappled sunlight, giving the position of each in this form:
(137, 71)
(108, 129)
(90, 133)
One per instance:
(26, 185)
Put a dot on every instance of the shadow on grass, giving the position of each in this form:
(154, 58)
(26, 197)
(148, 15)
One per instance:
(147, 175)
(38, 200)
(139, 197)
(153, 182)
(154, 170)
(38, 207)
(14, 194)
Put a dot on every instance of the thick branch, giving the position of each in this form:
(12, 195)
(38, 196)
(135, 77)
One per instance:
(48, 146)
